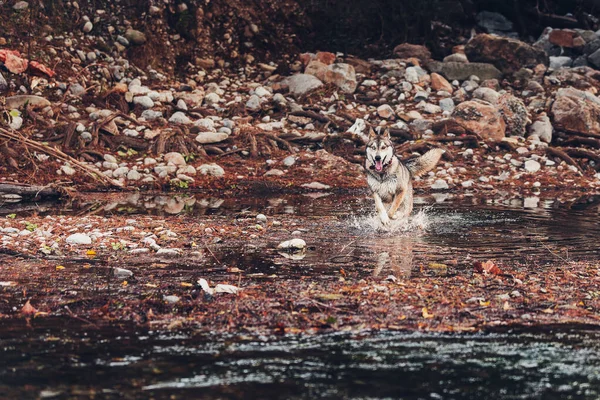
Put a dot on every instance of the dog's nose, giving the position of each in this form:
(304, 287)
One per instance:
(377, 158)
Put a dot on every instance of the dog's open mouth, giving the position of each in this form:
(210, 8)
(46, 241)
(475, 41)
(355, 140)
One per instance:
(379, 166)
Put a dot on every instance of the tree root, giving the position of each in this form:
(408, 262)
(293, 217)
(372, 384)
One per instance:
(553, 151)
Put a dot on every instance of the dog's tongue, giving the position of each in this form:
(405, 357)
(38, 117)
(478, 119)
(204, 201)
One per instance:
(378, 165)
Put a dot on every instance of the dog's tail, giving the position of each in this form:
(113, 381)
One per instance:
(425, 163)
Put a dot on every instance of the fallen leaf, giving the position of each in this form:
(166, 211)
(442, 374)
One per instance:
(15, 64)
(36, 66)
(438, 266)
(484, 303)
(487, 267)
(91, 253)
(124, 283)
(59, 267)
(152, 285)
(426, 313)
(328, 296)
(28, 309)
(186, 284)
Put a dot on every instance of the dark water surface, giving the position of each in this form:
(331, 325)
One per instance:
(51, 359)
(57, 358)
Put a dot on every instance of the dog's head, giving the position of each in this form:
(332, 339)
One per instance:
(380, 150)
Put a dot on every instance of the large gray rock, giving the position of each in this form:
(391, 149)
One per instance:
(342, 75)
(576, 111)
(480, 118)
(514, 113)
(301, 84)
(461, 71)
(594, 58)
(508, 55)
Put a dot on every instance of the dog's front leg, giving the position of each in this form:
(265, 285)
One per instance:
(398, 199)
(383, 215)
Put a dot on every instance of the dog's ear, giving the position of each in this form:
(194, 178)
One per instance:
(386, 133)
(372, 134)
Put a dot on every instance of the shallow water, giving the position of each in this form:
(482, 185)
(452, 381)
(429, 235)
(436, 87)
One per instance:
(57, 358)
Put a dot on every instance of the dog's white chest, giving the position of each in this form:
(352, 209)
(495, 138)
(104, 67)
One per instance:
(386, 188)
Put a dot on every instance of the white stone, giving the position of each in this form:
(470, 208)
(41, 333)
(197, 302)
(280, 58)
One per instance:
(262, 92)
(253, 103)
(67, 170)
(79, 238)
(300, 84)
(385, 111)
(211, 169)
(289, 161)
(294, 244)
(439, 184)
(133, 175)
(212, 99)
(144, 101)
(169, 252)
(532, 166)
(316, 185)
(16, 123)
(175, 158)
(88, 26)
(211, 137)
(120, 172)
(274, 172)
(122, 273)
(179, 118)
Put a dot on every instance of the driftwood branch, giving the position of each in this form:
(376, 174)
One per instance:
(29, 190)
(564, 156)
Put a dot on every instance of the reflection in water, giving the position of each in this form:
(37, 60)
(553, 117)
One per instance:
(397, 260)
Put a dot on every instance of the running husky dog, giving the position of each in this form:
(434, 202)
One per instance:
(390, 180)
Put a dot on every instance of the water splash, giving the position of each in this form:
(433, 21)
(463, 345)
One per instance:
(418, 221)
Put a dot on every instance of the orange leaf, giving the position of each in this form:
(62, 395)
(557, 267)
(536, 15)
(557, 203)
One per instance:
(28, 309)
(426, 313)
(15, 64)
(36, 66)
(487, 267)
